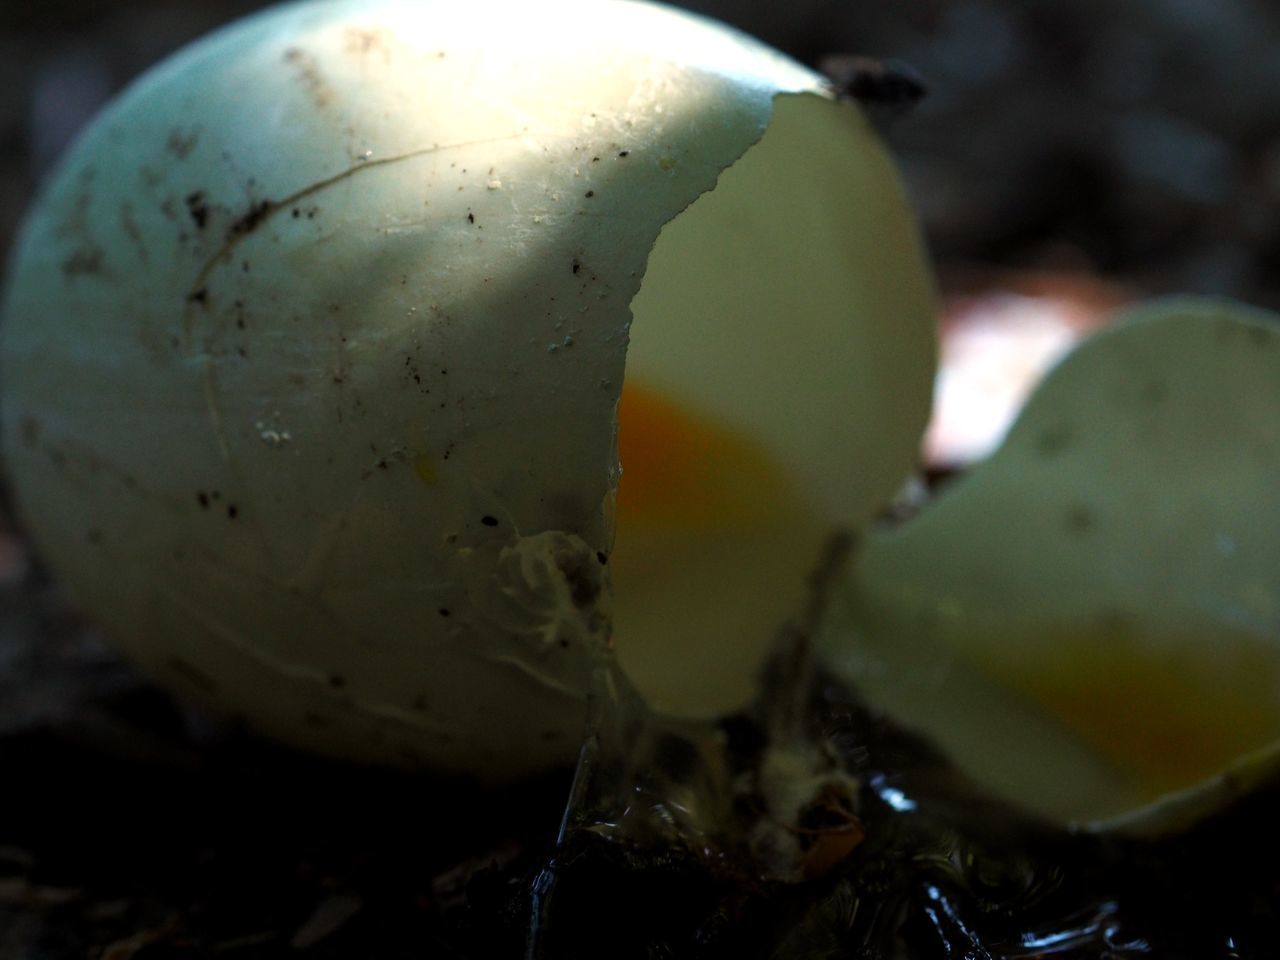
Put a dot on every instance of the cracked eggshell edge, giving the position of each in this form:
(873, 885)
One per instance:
(275, 355)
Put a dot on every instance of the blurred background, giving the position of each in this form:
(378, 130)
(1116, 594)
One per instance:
(1068, 158)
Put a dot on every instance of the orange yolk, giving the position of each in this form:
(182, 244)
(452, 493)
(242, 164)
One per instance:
(714, 541)
(680, 469)
(1172, 719)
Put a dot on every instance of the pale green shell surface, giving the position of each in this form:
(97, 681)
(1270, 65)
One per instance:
(1089, 622)
(312, 347)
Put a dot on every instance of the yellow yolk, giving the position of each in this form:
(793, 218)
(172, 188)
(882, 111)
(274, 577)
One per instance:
(712, 550)
(714, 544)
(681, 470)
(1171, 719)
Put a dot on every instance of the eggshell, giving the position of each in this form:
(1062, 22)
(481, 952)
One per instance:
(1089, 621)
(313, 346)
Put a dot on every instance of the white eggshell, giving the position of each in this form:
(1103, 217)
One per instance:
(313, 345)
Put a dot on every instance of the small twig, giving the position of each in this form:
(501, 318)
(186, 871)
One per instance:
(793, 665)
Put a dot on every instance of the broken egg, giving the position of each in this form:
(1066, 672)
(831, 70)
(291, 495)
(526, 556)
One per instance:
(1089, 621)
(313, 367)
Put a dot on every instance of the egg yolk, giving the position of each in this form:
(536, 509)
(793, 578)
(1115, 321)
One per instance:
(1169, 712)
(683, 470)
(713, 546)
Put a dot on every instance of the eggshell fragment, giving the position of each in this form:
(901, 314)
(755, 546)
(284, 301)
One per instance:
(313, 347)
(1089, 622)
(796, 318)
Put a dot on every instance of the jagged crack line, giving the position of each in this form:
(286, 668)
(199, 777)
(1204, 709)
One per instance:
(266, 209)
